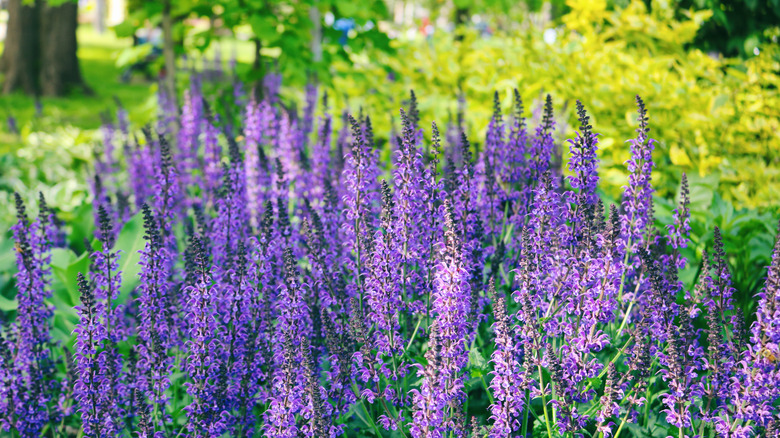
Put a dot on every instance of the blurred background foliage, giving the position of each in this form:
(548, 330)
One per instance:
(710, 114)
(708, 70)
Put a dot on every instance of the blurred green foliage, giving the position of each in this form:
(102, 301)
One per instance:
(736, 27)
(711, 115)
(748, 236)
(281, 31)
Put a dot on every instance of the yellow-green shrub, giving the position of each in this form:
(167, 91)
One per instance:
(710, 115)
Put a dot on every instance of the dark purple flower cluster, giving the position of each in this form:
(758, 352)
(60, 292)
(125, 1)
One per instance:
(294, 283)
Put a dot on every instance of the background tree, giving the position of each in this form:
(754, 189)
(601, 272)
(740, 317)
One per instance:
(40, 48)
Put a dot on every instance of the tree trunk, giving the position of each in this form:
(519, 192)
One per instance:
(40, 49)
(20, 60)
(169, 54)
(60, 71)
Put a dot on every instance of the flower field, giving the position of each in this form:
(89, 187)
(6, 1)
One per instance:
(256, 270)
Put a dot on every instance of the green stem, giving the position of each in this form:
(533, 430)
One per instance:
(490, 396)
(544, 402)
(414, 334)
(622, 423)
(524, 429)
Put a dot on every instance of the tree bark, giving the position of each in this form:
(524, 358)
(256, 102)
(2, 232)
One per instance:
(60, 71)
(20, 62)
(40, 49)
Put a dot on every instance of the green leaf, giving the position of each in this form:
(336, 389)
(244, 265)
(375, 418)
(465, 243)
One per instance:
(134, 54)
(594, 382)
(125, 29)
(476, 360)
(7, 305)
(7, 256)
(347, 8)
(130, 241)
(264, 28)
(66, 266)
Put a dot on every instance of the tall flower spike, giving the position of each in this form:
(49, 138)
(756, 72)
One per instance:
(505, 386)
(723, 292)
(89, 333)
(409, 208)
(107, 280)
(430, 401)
(154, 331)
(32, 358)
(451, 307)
(202, 359)
(542, 146)
(638, 194)
(383, 294)
(492, 169)
(106, 277)
(358, 199)
(517, 171)
(318, 423)
(762, 361)
(167, 193)
(584, 162)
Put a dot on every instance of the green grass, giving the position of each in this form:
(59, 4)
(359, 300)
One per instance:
(97, 55)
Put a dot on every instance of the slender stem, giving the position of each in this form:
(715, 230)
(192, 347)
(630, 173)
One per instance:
(369, 420)
(524, 429)
(544, 402)
(630, 305)
(622, 423)
(414, 334)
(487, 389)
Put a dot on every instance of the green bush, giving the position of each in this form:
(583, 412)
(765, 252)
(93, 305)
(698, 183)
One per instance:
(717, 117)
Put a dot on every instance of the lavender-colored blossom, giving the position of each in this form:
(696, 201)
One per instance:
(188, 141)
(106, 282)
(203, 352)
(89, 334)
(154, 329)
(506, 386)
(429, 403)
(542, 145)
(359, 180)
(320, 153)
(451, 307)
(638, 194)
(288, 383)
(307, 291)
(272, 83)
(383, 283)
(32, 359)
(212, 159)
(253, 135)
(410, 202)
(167, 194)
(491, 168)
(584, 163)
